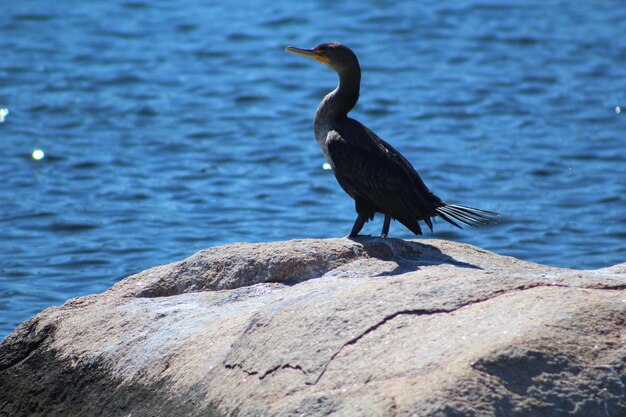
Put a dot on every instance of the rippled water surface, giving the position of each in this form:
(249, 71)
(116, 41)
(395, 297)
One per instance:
(168, 127)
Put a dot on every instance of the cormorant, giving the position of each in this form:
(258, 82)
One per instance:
(371, 171)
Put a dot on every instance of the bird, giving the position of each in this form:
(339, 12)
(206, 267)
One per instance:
(370, 170)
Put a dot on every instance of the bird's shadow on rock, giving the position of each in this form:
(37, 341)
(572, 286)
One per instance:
(408, 255)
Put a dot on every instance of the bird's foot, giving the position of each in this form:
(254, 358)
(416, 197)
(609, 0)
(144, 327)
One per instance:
(383, 235)
(356, 236)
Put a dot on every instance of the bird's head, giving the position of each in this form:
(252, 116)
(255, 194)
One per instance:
(337, 56)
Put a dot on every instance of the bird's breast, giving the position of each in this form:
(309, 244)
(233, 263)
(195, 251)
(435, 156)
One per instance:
(321, 127)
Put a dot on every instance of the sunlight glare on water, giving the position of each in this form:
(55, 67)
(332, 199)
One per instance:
(38, 154)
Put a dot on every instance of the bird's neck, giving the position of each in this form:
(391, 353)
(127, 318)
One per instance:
(337, 104)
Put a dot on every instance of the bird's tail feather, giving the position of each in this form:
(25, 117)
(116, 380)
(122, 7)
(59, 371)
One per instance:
(466, 215)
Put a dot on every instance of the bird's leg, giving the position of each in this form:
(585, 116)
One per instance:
(386, 224)
(358, 225)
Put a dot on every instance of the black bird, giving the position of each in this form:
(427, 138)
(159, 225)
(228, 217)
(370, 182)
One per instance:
(371, 171)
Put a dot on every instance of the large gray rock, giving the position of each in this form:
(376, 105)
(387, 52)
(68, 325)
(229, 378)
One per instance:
(376, 327)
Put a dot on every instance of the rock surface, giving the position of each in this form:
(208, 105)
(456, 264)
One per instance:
(376, 327)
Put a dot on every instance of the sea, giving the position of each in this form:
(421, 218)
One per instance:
(135, 133)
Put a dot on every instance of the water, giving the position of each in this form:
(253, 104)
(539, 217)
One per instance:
(169, 127)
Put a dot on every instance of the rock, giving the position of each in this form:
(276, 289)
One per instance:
(330, 327)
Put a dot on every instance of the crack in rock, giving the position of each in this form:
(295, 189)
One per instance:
(266, 373)
(388, 318)
(285, 366)
(238, 365)
(427, 312)
(414, 312)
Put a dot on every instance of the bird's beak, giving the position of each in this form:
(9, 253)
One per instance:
(309, 53)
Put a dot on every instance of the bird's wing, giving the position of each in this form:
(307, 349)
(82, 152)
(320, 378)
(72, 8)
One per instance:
(377, 173)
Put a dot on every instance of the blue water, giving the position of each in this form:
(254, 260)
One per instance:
(169, 127)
